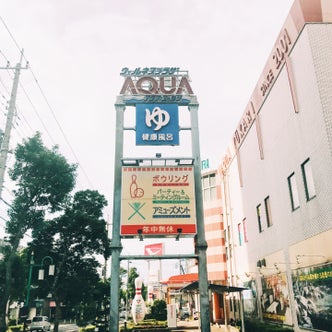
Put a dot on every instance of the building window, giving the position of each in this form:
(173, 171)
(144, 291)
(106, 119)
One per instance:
(229, 238)
(294, 194)
(209, 187)
(268, 211)
(245, 236)
(242, 232)
(259, 217)
(225, 236)
(239, 231)
(308, 180)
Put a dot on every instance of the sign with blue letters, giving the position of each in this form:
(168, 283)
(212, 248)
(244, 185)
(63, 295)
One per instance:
(157, 124)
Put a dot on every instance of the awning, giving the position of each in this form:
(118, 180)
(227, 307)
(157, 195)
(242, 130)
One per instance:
(178, 281)
(214, 288)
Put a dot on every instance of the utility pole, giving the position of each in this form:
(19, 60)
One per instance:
(9, 122)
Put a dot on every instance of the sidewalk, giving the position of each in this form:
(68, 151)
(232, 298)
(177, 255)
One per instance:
(223, 328)
(193, 325)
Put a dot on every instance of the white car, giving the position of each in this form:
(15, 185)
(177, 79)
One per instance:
(123, 314)
(40, 323)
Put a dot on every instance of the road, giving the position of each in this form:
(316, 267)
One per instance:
(68, 328)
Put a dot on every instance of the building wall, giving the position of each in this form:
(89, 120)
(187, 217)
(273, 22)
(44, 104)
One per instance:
(214, 234)
(289, 139)
(288, 121)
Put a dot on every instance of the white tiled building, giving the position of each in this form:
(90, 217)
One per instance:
(277, 178)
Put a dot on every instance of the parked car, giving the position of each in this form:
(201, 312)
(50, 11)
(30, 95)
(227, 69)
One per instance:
(184, 313)
(40, 323)
(122, 314)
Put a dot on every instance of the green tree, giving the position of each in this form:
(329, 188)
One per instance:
(73, 240)
(123, 282)
(131, 283)
(18, 274)
(43, 180)
(159, 310)
(102, 300)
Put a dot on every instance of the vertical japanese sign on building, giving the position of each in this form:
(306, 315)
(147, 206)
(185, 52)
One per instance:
(158, 201)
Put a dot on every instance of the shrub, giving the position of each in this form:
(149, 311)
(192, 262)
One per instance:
(147, 324)
(12, 322)
(158, 310)
(15, 328)
(252, 325)
(88, 328)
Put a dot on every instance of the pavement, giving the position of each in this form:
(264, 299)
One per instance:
(193, 325)
(182, 326)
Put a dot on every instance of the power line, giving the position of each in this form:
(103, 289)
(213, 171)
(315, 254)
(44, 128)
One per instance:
(47, 103)
(5, 202)
(58, 124)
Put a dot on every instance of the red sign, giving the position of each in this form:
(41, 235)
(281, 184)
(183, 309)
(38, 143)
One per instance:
(155, 249)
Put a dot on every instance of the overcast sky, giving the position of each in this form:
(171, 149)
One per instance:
(77, 48)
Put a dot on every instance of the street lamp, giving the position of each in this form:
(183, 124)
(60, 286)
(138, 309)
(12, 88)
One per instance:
(40, 273)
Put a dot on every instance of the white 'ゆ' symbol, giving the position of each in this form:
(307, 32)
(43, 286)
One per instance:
(158, 116)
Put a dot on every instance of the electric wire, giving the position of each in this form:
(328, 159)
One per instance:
(35, 109)
(59, 126)
(19, 118)
(37, 114)
(47, 103)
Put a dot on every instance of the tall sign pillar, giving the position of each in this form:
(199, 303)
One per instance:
(201, 244)
(152, 199)
(116, 246)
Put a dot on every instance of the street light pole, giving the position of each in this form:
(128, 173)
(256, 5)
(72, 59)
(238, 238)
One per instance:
(29, 281)
(40, 276)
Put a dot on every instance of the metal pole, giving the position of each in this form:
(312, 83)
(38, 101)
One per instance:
(201, 244)
(29, 281)
(128, 262)
(116, 245)
(242, 313)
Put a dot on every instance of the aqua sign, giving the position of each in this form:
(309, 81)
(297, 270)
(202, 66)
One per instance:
(157, 124)
(167, 85)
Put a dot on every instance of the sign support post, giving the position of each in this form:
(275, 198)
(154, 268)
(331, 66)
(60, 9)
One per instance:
(201, 244)
(116, 246)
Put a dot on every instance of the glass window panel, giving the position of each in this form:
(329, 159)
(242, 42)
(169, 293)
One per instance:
(206, 194)
(259, 217)
(245, 236)
(212, 180)
(294, 194)
(239, 230)
(213, 193)
(205, 182)
(308, 180)
(268, 211)
(209, 187)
